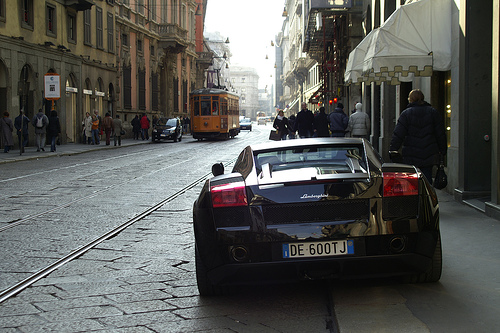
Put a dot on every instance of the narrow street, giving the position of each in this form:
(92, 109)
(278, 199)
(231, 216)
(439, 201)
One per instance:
(142, 280)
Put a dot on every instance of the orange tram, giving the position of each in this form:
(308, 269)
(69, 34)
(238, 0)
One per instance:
(214, 113)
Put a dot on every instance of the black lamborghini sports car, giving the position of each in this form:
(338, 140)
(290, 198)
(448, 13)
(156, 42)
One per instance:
(315, 209)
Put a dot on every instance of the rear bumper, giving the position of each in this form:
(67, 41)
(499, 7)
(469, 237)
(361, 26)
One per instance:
(337, 268)
(374, 256)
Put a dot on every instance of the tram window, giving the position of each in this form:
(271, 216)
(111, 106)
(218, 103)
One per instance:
(215, 108)
(223, 106)
(205, 108)
(197, 108)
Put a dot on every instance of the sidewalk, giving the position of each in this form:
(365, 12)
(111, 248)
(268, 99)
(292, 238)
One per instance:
(30, 153)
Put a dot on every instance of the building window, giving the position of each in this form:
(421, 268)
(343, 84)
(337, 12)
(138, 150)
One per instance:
(111, 34)
(2, 10)
(175, 9)
(127, 87)
(152, 50)
(50, 14)
(139, 45)
(183, 16)
(155, 91)
(27, 12)
(99, 28)
(87, 37)
(152, 6)
(71, 28)
(124, 40)
(142, 89)
(140, 6)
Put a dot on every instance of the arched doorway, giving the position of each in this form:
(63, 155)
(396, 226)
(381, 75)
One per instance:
(111, 98)
(71, 109)
(26, 86)
(87, 93)
(99, 97)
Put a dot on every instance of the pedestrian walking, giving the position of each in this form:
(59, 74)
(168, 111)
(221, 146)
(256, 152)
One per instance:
(291, 121)
(282, 125)
(53, 129)
(338, 121)
(321, 124)
(117, 130)
(100, 129)
(21, 124)
(145, 124)
(87, 131)
(359, 123)
(304, 123)
(6, 129)
(136, 127)
(40, 122)
(108, 127)
(420, 130)
(187, 123)
(95, 130)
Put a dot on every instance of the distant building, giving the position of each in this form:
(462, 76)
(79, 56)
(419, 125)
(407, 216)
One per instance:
(245, 82)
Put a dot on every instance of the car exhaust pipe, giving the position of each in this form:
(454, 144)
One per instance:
(397, 244)
(239, 253)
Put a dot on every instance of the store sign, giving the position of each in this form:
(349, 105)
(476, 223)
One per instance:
(52, 86)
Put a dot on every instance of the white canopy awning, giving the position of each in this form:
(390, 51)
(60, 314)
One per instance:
(414, 41)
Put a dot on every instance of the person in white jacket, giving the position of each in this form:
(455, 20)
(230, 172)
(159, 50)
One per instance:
(359, 123)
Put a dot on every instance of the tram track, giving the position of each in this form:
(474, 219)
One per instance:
(55, 261)
(20, 286)
(97, 192)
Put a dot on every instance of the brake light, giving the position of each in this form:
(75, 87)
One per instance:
(400, 184)
(229, 195)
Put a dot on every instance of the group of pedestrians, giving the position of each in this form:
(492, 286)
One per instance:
(141, 125)
(44, 126)
(335, 124)
(419, 130)
(94, 126)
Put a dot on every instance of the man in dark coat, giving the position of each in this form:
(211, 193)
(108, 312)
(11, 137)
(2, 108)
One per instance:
(321, 124)
(420, 130)
(21, 124)
(338, 121)
(304, 122)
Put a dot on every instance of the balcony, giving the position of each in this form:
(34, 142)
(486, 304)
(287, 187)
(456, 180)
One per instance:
(173, 38)
(79, 5)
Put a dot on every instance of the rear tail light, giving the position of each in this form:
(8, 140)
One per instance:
(400, 184)
(229, 195)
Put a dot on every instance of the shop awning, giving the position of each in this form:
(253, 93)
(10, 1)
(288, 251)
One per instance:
(414, 41)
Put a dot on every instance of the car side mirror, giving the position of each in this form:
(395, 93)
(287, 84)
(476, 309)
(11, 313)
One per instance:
(218, 169)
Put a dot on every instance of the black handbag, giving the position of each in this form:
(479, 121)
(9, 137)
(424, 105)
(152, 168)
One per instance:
(273, 135)
(441, 179)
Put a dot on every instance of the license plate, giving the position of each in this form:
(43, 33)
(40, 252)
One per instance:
(318, 249)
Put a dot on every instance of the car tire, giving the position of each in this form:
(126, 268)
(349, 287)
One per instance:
(205, 286)
(175, 139)
(433, 273)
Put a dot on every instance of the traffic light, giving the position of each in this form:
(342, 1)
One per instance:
(330, 102)
(335, 100)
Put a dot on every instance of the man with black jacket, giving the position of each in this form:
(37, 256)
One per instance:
(420, 130)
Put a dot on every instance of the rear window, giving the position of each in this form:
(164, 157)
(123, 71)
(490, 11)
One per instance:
(325, 159)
